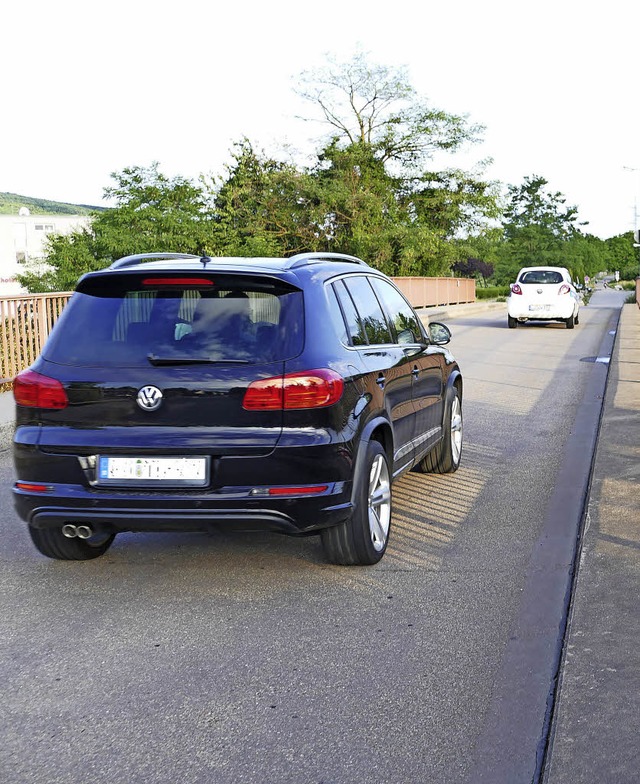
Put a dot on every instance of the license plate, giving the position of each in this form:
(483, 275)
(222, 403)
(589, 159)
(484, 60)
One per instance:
(153, 471)
(540, 307)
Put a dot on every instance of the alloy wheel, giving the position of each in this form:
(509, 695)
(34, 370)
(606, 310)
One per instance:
(379, 502)
(456, 430)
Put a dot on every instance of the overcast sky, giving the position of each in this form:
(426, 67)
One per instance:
(89, 88)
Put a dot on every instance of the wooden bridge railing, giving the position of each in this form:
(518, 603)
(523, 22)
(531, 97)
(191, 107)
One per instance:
(27, 320)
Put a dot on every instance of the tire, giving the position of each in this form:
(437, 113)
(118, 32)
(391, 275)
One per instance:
(576, 319)
(445, 457)
(513, 323)
(570, 322)
(52, 543)
(362, 539)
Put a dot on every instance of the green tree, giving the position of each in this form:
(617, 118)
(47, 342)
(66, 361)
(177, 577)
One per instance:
(538, 229)
(264, 207)
(375, 105)
(531, 204)
(152, 213)
(370, 192)
(622, 256)
(380, 200)
(402, 225)
(586, 255)
(357, 213)
(68, 257)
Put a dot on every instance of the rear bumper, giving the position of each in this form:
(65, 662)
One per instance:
(557, 311)
(116, 513)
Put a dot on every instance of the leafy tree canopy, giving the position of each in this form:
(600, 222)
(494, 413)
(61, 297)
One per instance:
(373, 190)
(473, 268)
(622, 256)
(264, 207)
(152, 213)
(540, 229)
(532, 205)
(376, 106)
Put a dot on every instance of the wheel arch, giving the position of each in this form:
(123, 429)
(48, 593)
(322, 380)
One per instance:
(455, 381)
(376, 429)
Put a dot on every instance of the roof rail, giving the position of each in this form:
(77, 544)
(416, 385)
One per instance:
(130, 261)
(302, 259)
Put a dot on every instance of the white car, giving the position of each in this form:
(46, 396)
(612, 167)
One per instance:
(543, 294)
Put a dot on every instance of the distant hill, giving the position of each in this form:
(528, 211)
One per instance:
(10, 204)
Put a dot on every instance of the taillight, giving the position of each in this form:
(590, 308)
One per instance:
(310, 389)
(564, 289)
(297, 490)
(37, 391)
(30, 487)
(515, 289)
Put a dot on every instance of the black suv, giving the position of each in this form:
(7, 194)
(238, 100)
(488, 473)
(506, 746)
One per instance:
(179, 393)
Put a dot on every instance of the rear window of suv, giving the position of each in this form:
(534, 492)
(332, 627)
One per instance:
(158, 318)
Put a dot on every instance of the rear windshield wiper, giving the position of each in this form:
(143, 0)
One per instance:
(194, 361)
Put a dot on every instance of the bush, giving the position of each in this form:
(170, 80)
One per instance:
(492, 292)
(629, 272)
(585, 295)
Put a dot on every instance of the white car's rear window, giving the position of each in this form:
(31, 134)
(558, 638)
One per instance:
(538, 277)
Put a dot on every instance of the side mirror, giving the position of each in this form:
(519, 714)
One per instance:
(439, 334)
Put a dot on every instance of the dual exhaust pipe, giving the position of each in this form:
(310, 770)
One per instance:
(81, 531)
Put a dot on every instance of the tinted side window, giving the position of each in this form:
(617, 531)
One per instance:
(355, 329)
(371, 315)
(400, 312)
(336, 315)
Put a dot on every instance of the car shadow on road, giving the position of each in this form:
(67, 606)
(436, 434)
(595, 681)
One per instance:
(428, 510)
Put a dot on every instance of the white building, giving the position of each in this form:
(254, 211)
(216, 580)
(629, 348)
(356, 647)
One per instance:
(22, 238)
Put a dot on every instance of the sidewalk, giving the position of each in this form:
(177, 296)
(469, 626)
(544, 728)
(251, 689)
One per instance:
(595, 735)
(6, 419)
(595, 731)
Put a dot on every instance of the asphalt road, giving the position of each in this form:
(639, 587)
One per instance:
(247, 659)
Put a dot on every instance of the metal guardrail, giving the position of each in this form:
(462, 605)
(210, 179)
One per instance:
(27, 320)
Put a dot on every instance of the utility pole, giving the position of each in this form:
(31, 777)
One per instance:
(635, 203)
(636, 232)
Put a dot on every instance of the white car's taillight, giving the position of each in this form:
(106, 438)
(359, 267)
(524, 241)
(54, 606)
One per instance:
(515, 289)
(564, 289)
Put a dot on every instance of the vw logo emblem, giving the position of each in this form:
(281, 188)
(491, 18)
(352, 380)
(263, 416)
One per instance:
(149, 398)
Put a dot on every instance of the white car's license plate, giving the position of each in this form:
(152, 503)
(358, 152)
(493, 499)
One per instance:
(540, 307)
(165, 471)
